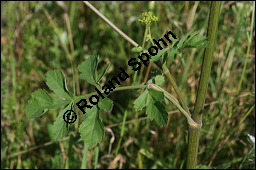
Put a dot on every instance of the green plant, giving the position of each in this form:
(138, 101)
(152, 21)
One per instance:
(153, 98)
(203, 83)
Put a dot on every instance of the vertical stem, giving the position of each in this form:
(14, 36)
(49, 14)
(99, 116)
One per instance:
(144, 38)
(84, 160)
(194, 133)
(122, 133)
(96, 158)
(142, 68)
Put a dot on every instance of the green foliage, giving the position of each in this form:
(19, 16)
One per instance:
(137, 49)
(60, 127)
(92, 128)
(159, 55)
(89, 72)
(88, 69)
(26, 28)
(159, 80)
(157, 77)
(56, 81)
(102, 72)
(105, 104)
(191, 40)
(155, 109)
(40, 102)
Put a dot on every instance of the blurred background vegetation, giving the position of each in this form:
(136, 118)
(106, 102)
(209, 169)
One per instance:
(40, 36)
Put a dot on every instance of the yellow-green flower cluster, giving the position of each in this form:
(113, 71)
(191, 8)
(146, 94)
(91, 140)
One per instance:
(148, 18)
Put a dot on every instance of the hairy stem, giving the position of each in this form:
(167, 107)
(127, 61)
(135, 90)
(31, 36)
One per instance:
(194, 134)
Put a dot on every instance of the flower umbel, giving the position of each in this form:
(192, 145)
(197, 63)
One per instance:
(148, 18)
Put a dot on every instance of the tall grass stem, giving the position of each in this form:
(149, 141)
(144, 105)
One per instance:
(249, 38)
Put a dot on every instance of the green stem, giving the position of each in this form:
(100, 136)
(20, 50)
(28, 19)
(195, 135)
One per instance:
(77, 98)
(151, 40)
(122, 133)
(145, 36)
(129, 87)
(96, 157)
(155, 87)
(143, 46)
(84, 160)
(194, 134)
(175, 87)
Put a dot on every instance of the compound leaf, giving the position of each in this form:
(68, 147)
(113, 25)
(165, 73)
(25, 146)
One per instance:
(192, 40)
(197, 42)
(105, 104)
(92, 128)
(88, 70)
(155, 110)
(102, 73)
(159, 55)
(155, 95)
(141, 101)
(159, 80)
(56, 81)
(39, 102)
(173, 53)
(60, 127)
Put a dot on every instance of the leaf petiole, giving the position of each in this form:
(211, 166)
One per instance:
(173, 100)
